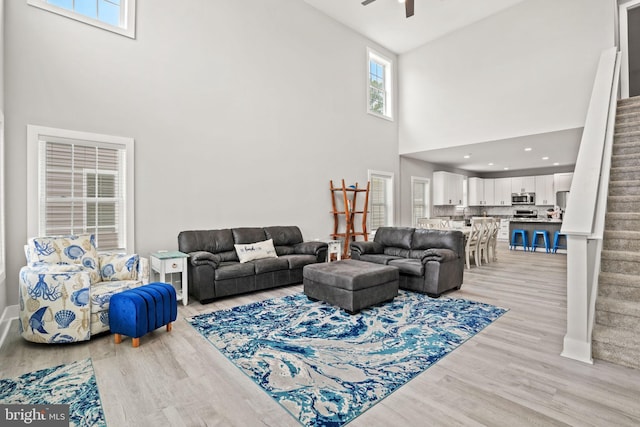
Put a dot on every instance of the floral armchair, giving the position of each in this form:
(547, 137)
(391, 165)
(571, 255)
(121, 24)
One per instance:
(66, 286)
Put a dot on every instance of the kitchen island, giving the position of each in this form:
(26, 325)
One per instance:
(531, 224)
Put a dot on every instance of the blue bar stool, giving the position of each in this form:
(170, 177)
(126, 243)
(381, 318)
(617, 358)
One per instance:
(536, 235)
(523, 237)
(556, 241)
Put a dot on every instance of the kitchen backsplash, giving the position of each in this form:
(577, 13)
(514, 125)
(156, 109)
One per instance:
(495, 211)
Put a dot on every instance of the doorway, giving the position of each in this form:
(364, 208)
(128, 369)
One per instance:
(630, 47)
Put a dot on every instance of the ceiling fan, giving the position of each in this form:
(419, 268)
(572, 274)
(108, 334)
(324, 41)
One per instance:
(408, 5)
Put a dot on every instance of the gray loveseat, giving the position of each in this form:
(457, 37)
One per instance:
(215, 270)
(430, 261)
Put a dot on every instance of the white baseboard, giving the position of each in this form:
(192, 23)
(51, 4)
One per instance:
(10, 313)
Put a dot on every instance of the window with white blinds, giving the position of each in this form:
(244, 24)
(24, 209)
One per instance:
(380, 199)
(82, 186)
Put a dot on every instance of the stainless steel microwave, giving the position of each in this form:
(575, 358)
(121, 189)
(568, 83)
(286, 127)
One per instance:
(523, 198)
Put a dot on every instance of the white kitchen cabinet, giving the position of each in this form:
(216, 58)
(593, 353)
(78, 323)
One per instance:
(476, 191)
(489, 191)
(481, 191)
(562, 181)
(502, 192)
(447, 188)
(503, 231)
(545, 195)
(523, 184)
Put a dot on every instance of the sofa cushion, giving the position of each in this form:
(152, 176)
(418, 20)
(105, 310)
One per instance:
(284, 235)
(245, 235)
(233, 270)
(378, 258)
(299, 261)
(258, 250)
(214, 241)
(438, 239)
(268, 265)
(399, 237)
(408, 266)
(399, 252)
(116, 267)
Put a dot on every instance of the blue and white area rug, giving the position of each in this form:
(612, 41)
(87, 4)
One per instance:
(73, 384)
(325, 366)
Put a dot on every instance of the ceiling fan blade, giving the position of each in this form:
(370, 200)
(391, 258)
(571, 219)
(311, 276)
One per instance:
(366, 2)
(408, 5)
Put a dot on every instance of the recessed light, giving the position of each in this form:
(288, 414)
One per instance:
(490, 164)
(527, 149)
(506, 169)
(467, 156)
(556, 164)
(545, 158)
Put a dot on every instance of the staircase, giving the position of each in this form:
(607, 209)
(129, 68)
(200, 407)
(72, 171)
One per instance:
(616, 333)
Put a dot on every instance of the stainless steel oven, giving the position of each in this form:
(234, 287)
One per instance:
(523, 198)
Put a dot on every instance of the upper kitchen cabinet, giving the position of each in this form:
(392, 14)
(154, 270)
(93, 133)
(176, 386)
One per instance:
(523, 184)
(562, 181)
(544, 190)
(481, 192)
(502, 192)
(447, 188)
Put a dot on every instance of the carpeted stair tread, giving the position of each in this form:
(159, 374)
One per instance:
(619, 336)
(630, 280)
(620, 262)
(628, 116)
(622, 160)
(624, 188)
(625, 173)
(618, 292)
(627, 127)
(626, 143)
(623, 203)
(620, 240)
(634, 100)
(615, 305)
(621, 256)
(617, 355)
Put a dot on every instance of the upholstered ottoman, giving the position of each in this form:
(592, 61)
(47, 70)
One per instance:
(138, 311)
(349, 284)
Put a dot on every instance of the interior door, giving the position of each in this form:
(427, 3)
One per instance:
(630, 48)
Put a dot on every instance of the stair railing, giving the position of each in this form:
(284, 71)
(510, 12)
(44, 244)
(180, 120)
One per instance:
(586, 208)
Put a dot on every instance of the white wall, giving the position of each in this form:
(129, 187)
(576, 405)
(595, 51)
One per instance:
(242, 111)
(524, 71)
(3, 282)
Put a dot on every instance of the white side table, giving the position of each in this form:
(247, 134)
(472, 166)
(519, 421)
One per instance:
(334, 247)
(172, 262)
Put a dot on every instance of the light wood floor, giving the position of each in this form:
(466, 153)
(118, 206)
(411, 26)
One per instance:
(510, 374)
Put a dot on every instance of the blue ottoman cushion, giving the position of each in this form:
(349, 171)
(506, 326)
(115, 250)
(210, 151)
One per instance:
(138, 311)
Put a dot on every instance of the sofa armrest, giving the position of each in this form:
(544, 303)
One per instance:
(440, 255)
(362, 248)
(309, 248)
(205, 258)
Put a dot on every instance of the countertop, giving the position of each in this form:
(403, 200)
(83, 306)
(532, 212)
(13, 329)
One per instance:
(537, 220)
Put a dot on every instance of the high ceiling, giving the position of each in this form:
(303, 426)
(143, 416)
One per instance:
(384, 21)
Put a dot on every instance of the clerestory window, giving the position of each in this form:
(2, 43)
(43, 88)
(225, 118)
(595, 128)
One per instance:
(379, 85)
(113, 15)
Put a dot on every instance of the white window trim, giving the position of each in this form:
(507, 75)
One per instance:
(427, 201)
(388, 79)
(129, 19)
(37, 133)
(390, 202)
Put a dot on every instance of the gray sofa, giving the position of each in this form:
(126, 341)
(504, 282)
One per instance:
(215, 270)
(430, 261)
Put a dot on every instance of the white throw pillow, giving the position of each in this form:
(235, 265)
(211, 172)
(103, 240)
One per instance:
(257, 250)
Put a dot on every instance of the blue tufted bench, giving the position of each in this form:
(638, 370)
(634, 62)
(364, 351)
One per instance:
(137, 311)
